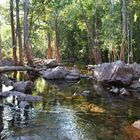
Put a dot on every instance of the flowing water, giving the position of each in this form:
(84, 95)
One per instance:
(63, 116)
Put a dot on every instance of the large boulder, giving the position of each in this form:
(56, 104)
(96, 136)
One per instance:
(136, 69)
(55, 73)
(117, 73)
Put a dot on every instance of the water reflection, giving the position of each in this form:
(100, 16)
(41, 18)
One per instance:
(62, 116)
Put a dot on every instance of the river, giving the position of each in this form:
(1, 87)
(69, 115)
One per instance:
(64, 114)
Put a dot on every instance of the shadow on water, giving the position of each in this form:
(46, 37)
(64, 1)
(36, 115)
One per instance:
(65, 114)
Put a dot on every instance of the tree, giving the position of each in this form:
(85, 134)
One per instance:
(18, 30)
(49, 54)
(57, 47)
(13, 32)
(26, 34)
(124, 38)
(0, 41)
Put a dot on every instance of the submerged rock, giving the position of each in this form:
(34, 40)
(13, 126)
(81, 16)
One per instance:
(114, 90)
(23, 104)
(117, 73)
(29, 98)
(87, 94)
(124, 92)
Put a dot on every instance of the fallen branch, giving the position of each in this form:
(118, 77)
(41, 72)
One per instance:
(17, 68)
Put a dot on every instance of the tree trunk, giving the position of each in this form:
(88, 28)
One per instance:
(89, 32)
(57, 51)
(131, 37)
(26, 34)
(0, 43)
(124, 42)
(13, 32)
(49, 56)
(113, 49)
(19, 34)
(115, 54)
(97, 53)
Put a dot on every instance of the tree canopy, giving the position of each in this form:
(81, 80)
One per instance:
(90, 31)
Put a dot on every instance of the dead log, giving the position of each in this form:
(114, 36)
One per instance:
(17, 68)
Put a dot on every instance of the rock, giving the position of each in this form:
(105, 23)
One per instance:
(135, 85)
(5, 80)
(114, 90)
(132, 132)
(90, 67)
(73, 75)
(136, 124)
(84, 76)
(117, 73)
(75, 94)
(22, 86)
(136, 69)
(23, 104)
(6, 88)
(87, 94)
(8, 62)
(51, 63)
(29, 98)
(55, 73)
(17, 93)
(124, 92)
(4, 94)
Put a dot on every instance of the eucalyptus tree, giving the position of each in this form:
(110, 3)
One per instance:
(0, 39)
(18, 30)
(13, 31)
(26, 34)
(124, 32)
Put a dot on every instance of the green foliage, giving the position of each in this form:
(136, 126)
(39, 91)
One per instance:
(105, 23)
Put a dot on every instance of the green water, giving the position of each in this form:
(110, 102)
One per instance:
(62, 116)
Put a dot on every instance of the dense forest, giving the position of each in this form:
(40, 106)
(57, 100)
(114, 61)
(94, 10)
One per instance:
(90, 31)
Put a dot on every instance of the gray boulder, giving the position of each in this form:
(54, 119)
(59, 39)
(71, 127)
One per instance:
(55, 73)
(117, 73)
